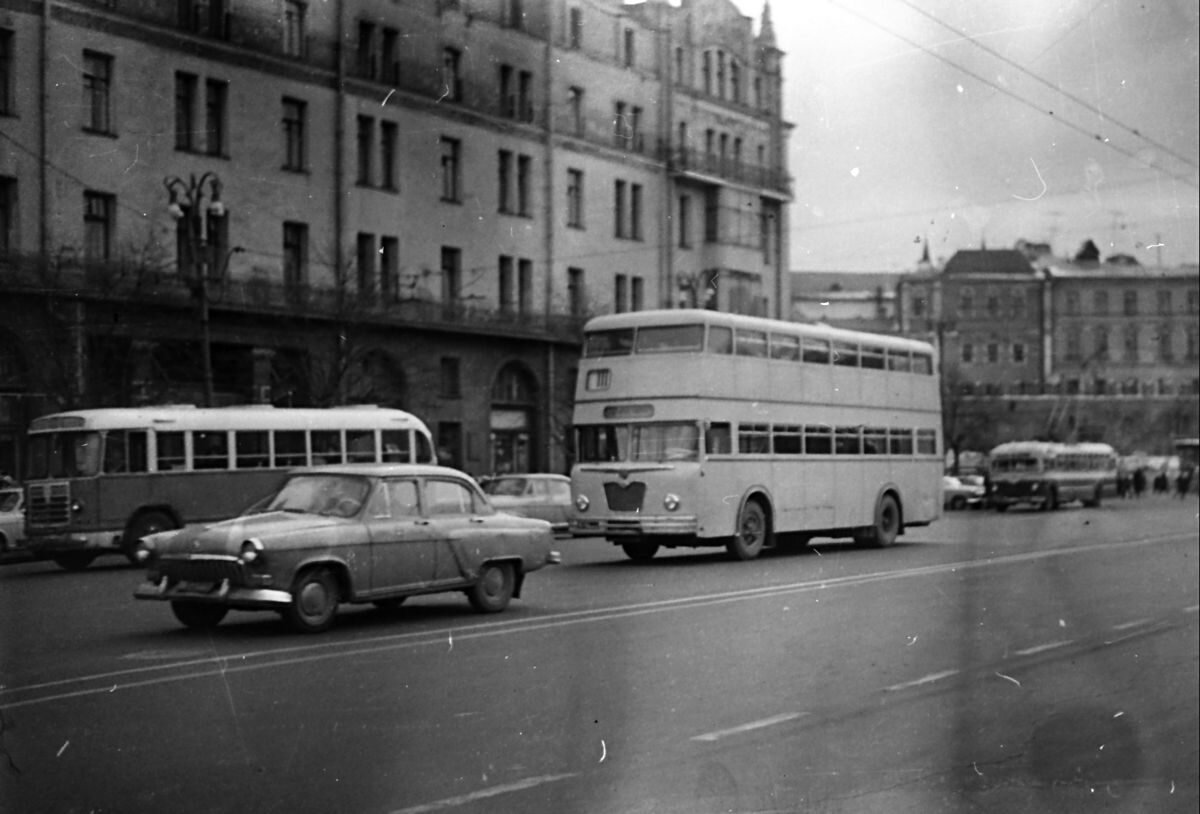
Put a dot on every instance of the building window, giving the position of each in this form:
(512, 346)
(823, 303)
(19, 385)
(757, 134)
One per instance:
(680, 78)
(1131, 303)
(575, 28)
(685, 222)
(99, 209)
(294, 35)
(293, 135)
(1100, 303)
(8, 214)
(185, 111)
(1166, 348)
(635, 211)
(637, 293)
(1193, 301)
(758, 92)
(993, 306)
(525, 96)
(514, 14)
(706, 71)
(619, 209)
(507, 290)
(620, 125)
(504, 180)
(1073, 351)
(1131, 343)
(451, 274)
(1018, 353)
(993, 353)
(389, 57)
(295, 254)
(1072, 303)
(366, 58)
(735, 82)
(366, 142)
(628, 56)
(451, 76)
(967, 353)
(1193, 344)
(575, 106)
(575, 198)
(7, 73)
(1164, 301)
(966, 302)
(451, 386)
(216, 95)
(621, 294)
(389, 268)
(508, 99)
(97, 92)
(1101, 339)
(720, 74)
(524, 167)
(366, 264)
(388, 142)
(576, 293)
(525, 286)
(450, 169)
(712, 216)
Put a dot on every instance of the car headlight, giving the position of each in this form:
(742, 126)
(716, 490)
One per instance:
(582, 503)
(671, 502)
(144, 551)
(1036, 487)
(252, 551)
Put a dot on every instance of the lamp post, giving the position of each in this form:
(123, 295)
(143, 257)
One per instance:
(188, 207)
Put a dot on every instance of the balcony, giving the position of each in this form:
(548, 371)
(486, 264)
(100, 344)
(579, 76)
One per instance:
(687, 160)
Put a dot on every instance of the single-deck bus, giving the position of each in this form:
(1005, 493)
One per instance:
(1045, 474)
(99, 480)
(699, 428)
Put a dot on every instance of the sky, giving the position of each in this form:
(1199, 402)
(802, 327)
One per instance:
(976, 123)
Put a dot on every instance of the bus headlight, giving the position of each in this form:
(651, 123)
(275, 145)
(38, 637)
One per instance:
(77, 506)
(671, 502)
(582, 503)
(252, 551)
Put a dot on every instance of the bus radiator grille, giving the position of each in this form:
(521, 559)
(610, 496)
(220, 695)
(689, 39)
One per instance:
(625, 497)
(49, 504)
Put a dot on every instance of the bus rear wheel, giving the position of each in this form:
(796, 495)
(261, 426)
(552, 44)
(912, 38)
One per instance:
(640, 552)
(144, 524)
(751, 533)
(883, 532)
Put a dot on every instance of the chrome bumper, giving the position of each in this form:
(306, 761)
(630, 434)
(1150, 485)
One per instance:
(634, 527)
(222, 593)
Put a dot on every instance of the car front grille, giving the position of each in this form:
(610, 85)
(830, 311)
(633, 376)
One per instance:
(202, 569)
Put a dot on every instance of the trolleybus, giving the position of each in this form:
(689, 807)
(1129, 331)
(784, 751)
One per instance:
(99, 480)
(699, 428)
(1046, 474)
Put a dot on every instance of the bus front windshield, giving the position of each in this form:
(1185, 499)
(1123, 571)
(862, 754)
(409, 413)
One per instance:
(640, 443)
(64, 455)
(1024, 464)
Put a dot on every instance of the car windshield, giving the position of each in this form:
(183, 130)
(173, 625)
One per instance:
(9, 500)
(333, 495)
(506, 487)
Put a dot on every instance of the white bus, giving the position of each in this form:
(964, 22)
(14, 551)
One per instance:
(699, 428)
(99, 480)
(1046, 474)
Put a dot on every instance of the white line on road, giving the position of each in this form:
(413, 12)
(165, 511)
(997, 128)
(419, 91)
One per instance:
(1134, 623)
(735, 730)
(1042, 648)
(929, 679)
(483, 794)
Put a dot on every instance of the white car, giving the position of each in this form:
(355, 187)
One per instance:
(958, 494)
(12, 519)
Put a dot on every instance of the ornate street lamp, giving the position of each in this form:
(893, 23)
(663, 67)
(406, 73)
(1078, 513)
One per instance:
(187, 206)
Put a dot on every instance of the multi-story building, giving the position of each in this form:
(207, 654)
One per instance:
(1034, 345)
(411, 203)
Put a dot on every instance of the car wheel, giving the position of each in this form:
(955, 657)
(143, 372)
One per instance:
(199, 615)
(747, 543)
(958, 503)
(314, 602)
(494, 588)
(142, 525)
(640, 551)
(75, 561)
(883, 532)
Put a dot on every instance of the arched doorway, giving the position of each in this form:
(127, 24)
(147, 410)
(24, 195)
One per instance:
(513, 421)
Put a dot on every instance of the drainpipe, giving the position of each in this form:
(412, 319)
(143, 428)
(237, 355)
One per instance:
(548, 214)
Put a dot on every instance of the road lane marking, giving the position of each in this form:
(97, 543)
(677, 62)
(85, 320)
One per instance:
(1042, 648)
(483, 794)
(709, 737)
(318, 651)
(1134, 623)
(923, 680)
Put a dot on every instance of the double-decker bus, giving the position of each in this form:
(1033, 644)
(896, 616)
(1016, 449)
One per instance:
(99, 480)
(699, 428)
(1046, 474)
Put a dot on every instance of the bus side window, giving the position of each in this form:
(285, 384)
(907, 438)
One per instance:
(210, 449)
(290, 448)
(326, 447)
(170, 451)
(125, 451)
(718, 439)
(816, 351)
(922, 363)
(424, 449)
(360, 446)
(396, 449)
(720, 340)
(250, 449)
(818, 439)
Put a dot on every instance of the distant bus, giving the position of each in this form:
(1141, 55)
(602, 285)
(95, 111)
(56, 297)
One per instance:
(699, 428)
(1188, 450)
(98, 480)
(1046, 474)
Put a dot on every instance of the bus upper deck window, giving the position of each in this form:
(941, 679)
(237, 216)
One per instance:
(608, 343)
(751, 343)
(816, 351)
(899, 360)
(720, 340)
(845, 354)
(922, 363)
(785, 346)
(667, 338)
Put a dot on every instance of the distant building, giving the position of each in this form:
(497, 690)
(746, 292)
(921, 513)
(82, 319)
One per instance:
(858, 301)
(416, 204)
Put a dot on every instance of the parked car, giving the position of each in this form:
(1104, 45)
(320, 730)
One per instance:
(12, 519)
(354, 533)
(545, 496)
(959, 494)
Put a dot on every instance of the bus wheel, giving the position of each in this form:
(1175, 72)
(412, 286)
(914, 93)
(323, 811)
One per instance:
(886, 526)
(640, 551)
(314, 601)
(75, 561)
(751, 532)
(144, 524)
(198, 614)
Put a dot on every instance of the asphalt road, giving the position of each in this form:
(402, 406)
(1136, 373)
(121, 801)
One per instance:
(1029, 661)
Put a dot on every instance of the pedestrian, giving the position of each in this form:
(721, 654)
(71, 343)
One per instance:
(1122, 484)
(1183, 481)
(1139, 482)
